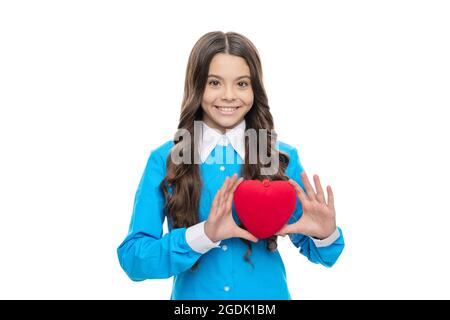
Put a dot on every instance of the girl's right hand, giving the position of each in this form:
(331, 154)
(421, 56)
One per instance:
(220, 224)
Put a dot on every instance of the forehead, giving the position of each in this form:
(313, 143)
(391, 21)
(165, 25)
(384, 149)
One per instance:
(228, 65)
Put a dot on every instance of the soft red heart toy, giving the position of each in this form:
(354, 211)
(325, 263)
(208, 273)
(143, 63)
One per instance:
(265, 206)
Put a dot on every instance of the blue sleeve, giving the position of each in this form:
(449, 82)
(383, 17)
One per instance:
(326, 256)
(146, 253)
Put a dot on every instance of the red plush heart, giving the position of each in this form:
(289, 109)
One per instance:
(265, 206)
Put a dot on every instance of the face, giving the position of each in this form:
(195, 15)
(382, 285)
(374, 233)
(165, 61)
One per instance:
(228, 94)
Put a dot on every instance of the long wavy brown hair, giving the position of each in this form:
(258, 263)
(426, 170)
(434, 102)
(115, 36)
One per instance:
(182, 185)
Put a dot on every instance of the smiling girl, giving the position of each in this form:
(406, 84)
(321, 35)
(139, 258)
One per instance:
(209, 253)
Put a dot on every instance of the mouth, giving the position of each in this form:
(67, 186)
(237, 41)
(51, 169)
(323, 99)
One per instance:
(227, 110)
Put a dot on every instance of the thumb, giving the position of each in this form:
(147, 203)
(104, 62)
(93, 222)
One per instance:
(244, 234)
(288, 228)
(282, 232)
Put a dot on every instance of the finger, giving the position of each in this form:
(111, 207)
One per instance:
(320, 195)
(220, 206)
(222, 203)
(230, 194)
(228, 203)
(226, 185)
(300, 192)
(296, 227)
(229, 186)
(236, 184)
(215, 203)
(225, 191)
(309, 189)
(281, 232)
(231, 183)
(287, 229)
(219, 196)
(244, 234)
(330, 198)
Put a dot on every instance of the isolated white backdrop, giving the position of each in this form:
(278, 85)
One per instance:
(88, 88)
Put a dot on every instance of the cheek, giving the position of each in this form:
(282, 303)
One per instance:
(248, 98)
(208, 97)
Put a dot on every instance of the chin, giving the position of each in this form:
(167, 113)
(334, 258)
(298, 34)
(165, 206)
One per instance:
(229, 123)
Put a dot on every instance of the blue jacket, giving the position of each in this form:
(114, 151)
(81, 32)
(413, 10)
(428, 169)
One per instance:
(147, 253)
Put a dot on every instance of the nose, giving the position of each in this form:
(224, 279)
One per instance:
(229, 94)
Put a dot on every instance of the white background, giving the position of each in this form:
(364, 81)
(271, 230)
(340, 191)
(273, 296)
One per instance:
(88, 88)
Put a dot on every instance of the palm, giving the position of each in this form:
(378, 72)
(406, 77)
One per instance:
(220, 224)
(227, 227)
(319, 217)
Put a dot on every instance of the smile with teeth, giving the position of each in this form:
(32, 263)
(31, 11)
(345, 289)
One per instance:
(227, 110)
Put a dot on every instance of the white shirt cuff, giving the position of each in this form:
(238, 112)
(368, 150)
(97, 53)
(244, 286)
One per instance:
(327, 241)
(197, 239)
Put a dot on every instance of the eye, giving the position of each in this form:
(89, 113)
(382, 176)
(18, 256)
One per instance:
(243, 84)
(214, 83)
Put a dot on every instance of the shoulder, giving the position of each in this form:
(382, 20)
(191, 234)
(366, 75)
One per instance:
(295, 166)
(163, 150)
(286, 148)
(158, 156)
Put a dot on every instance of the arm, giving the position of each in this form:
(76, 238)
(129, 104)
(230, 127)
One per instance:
(146, 253)
(325, 251)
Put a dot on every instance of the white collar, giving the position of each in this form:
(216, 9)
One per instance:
(211, 137)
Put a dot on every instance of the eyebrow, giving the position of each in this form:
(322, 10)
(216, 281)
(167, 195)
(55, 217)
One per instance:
(216, 76)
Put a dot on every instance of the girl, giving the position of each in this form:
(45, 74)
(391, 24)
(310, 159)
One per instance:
(207, 250)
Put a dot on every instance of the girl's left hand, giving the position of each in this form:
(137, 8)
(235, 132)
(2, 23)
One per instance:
(319, 217)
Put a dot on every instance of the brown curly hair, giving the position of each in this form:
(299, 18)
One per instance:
(183, 201)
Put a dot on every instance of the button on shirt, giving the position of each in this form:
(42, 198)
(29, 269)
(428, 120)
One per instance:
(146, 253)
